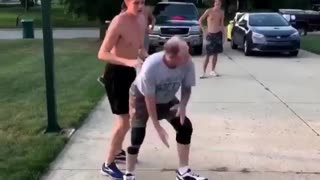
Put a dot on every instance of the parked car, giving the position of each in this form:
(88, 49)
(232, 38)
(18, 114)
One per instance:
(265, 32)
(176, 18)
(231, 24)
(303, 20)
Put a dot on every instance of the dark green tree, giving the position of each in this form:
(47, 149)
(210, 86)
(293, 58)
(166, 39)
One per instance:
(101, 10)
(26, 4)
(286, 4)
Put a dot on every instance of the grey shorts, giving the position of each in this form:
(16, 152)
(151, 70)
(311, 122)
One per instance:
(214, 43)
(139, 113)
(146, 42)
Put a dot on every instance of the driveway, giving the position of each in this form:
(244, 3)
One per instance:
(258, 121)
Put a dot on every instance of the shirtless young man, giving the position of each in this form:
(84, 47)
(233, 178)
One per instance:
(214, 35)
(120, 49)
(150, 21)
(153, 94)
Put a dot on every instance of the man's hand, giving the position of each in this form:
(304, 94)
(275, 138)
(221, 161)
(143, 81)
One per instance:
(152, 111)
(135, 63)
(181, 112)
(162, 134)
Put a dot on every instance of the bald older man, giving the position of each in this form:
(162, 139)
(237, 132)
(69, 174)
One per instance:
(153, 94)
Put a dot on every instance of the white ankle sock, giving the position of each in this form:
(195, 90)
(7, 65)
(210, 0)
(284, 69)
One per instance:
(183, 170)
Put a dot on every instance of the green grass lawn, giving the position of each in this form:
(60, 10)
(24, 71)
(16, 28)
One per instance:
(25, 152)
(8, 17)
(311, 43)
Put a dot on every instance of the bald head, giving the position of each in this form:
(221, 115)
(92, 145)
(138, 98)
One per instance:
(175, 46)
(176, 50)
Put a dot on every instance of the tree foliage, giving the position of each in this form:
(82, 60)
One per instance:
(94, 9)
(26, 4)
(279, 4)
(106, 9)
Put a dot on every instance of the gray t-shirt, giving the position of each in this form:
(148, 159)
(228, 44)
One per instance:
(156, 78)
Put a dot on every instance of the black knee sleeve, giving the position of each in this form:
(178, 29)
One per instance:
(184, 132)
(137, 137)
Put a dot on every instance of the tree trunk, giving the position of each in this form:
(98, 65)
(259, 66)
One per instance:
(26, 7)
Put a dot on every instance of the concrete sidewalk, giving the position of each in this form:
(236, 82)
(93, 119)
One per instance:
(242, 131)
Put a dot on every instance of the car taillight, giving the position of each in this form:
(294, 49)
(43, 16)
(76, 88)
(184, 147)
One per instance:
(177, 18)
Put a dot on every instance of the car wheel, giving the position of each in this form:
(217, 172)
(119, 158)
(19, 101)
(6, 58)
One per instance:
(294, 53)
(198, 49)
(246, 48)
(233, 45)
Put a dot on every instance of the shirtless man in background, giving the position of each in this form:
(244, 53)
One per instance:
(215, 35)
(123, 44)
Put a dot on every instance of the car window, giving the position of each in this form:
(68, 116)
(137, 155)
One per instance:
(246, 17)
(238, 17)
(167, 11)
(241, 19)
(267, 20)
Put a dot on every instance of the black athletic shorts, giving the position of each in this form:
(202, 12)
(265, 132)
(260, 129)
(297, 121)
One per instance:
(118, 80)
(214, 45)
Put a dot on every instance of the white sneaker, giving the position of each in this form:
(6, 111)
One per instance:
(189, 175)
(214, 74)
(203, 76)
(129, 176)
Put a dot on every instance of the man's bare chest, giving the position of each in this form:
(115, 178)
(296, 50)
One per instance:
(214, 16)
(132, 36)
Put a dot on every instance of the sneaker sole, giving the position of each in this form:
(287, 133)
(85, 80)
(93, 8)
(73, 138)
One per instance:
(177, 178)
(182, 179)
(106, 174)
